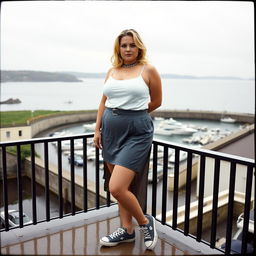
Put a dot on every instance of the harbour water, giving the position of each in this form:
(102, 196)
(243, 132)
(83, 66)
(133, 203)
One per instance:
(216, 95)
(180, 94)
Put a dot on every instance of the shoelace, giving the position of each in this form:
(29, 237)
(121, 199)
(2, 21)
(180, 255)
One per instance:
(146, 232)
(117, 233)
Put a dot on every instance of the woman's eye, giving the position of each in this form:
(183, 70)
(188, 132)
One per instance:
(131, 45)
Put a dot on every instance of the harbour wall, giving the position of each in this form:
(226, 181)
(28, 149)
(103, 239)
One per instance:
(210, 115)
(41, 124)
(11, 160)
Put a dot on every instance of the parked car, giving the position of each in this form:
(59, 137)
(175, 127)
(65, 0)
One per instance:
(78, 160)
(14, 218)
(236, 242)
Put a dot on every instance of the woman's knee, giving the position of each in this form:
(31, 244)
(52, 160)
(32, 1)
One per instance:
(116, 191)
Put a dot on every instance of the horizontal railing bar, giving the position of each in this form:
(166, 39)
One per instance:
(207, 153)
(46, 139)
(190, 235)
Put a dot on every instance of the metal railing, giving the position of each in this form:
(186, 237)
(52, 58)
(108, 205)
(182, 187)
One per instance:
(191, 152)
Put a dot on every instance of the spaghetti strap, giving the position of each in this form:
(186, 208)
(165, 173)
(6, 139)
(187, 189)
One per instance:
(142, 70)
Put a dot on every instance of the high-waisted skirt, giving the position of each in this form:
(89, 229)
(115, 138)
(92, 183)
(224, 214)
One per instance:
(127, 138)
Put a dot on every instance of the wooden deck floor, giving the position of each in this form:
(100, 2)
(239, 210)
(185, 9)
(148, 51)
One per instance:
(79, 235)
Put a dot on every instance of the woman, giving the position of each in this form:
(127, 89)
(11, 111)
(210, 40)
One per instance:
(124, 131)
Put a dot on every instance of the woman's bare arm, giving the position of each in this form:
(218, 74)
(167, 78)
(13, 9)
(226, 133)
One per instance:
(155, 88)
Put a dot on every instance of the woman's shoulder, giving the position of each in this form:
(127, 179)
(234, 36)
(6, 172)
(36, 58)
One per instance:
(150, 68)
(109, 72)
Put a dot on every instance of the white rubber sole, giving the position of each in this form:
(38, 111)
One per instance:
(153, 244)
(116, 243)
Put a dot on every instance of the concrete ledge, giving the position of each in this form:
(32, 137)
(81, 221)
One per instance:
(203, 114)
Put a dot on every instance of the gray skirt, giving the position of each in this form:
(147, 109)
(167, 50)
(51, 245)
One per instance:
(127, 138)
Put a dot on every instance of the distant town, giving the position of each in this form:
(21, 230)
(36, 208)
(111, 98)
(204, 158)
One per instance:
(70, 76)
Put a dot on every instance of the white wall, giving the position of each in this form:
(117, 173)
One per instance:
(240, 182)
(15, 133)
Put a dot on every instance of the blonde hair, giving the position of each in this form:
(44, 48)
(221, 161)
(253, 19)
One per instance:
(116, 58)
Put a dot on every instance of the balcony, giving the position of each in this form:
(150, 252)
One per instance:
(180, 224)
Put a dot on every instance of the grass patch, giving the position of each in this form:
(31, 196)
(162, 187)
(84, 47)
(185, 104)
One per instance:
(25, 151)
(16, 118)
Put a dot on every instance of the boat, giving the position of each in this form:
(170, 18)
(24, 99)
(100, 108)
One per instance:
(158, 118)
(163, 131)
(90, 127)
(206, 139)
(171, 121)
(183, 131)
(65, 145)
(227, 120)
(183, 156)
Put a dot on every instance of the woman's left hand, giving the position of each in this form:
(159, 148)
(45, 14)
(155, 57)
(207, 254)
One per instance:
(97, 139)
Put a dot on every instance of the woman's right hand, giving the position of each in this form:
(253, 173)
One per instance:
(97, 139)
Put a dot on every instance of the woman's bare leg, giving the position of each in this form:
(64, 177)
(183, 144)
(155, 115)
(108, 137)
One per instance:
(125, 216)
(119, 184)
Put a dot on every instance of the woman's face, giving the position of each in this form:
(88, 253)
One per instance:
(128, 49)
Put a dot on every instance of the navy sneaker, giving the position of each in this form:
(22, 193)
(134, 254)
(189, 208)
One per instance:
(119, 236)
(150, 234)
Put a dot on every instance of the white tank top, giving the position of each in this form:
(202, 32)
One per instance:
(129, 94)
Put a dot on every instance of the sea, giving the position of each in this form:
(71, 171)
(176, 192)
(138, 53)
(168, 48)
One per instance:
(178, 94)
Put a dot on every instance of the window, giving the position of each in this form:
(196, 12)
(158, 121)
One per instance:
(8, 134)
(20, 132)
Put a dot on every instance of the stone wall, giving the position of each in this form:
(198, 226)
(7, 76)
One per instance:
(11, 165)
(39, 125)
(66, 185)
(210, 115)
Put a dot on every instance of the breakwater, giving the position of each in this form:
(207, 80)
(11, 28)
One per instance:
(44, 123)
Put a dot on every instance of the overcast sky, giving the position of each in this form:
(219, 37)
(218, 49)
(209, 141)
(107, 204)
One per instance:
(182, 37)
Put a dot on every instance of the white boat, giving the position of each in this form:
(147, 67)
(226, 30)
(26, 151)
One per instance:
(65, 145)
(206, 139)
(158, 118)
(167, 125)
(89, 127)
(183, 156)
(172, 121)
(162, 131)
(228, 120)
(183, 131)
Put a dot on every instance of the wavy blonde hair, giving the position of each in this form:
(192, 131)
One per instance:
(116, 58)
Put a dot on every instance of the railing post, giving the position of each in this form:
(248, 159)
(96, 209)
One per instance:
(200, 199)
(215, 201)
(5, 188)
(33, 183)
(154, 183)
(188, 192)
(176, 188)
(232, 181)
(47, 192)
(97, 176)
(85, 174)
(165, 179)
(247, 209)
(19, 184)
(60, 179)
(72, 177)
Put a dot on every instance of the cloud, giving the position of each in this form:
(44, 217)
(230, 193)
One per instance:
(197, 37)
